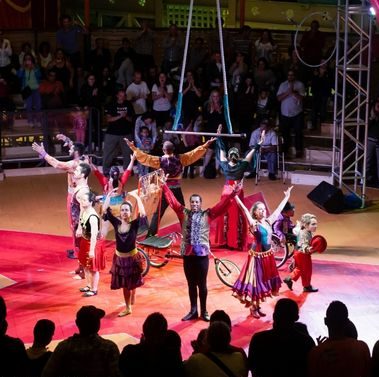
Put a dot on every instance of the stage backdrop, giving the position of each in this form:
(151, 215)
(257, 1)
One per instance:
(15, 14)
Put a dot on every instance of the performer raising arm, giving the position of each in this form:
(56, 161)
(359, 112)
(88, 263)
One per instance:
(127, 263)
(172, 165)
(195, 247)
(259, 277)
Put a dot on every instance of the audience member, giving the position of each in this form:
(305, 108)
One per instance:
(162, 93)
(99, 57)
(90, 95)
(107, 86)
(38, 353)
(197, 56)
(213, 71)
(119, 115)
(290, 95)
(339, 355)
(26, 48)
(263, 76)
(13, 358)
(156, 354)
(87, 353)
(173, 49)
(68, 38)
(191, 98)
(137, 93)
(52, 92)
(265, 46)
(312, 44)
(146, 120)
(221, 359)
(63, 69)
(124, 52)
(44, 56)
(375, 360)
(5, 56)
(145, 47)
(264, 107)
(283, 350)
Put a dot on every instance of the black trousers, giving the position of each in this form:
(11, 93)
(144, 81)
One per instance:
(153, 228)
(196, 271)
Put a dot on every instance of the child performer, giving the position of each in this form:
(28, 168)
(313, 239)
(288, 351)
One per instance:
(145, 144)
(79, 122)
(302, 255)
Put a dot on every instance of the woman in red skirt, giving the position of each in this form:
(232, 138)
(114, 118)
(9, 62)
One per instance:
(259, 277)
(90, 255)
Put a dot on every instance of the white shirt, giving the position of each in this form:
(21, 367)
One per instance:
(137, 94)
(162, 103)
(271, 138)
(291, 106)
(152, 128)
(5, 53)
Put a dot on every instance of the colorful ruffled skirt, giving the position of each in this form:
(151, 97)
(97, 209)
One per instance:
(259, 278)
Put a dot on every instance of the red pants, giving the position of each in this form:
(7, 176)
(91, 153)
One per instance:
(303, 268)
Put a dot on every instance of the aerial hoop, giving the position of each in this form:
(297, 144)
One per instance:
(215, 134)
(298, 26)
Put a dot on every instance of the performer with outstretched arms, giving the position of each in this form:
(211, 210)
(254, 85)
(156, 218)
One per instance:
(195, 247)
(172, 165)
(231, 229)
(76, 150)
(127, 263)
(259, 277)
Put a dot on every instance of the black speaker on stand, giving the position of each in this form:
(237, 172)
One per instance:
(327, 197)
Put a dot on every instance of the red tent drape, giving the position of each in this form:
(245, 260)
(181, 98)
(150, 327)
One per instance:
(15, 14)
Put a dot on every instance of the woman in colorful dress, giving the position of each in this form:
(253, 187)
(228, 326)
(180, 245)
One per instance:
(259, 277)
(127, 263)
(89, 256)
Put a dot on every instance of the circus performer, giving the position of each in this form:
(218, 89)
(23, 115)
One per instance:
(172, 165)
(259, 277)
(127, 263)
(108, 184)
(90, 257)
(76, 151)
(305, 230)
(231, 229)
(195, 223)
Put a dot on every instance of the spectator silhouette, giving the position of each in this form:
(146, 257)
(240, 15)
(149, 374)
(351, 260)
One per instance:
(87, 353)
(283, 350)
(38, 353)
(220, 358)
(13, 359)
(375, 360)
(339, 355)
(157, 354)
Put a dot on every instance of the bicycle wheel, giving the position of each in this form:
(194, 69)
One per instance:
(227, 271)
(157, 257)
(145, 262)
(280, 251)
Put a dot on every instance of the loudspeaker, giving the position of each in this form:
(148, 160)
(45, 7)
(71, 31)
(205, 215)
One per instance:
(327, 197)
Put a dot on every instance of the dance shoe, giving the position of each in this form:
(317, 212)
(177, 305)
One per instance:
(205, 316)
(85, 289)
(191, 315)
(254, 312)
(125, 313)
(310, 289)
(289, 282)
(89, 293)
(71, 254)
(261, 314)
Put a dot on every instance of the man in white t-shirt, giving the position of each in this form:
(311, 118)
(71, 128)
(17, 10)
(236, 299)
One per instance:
(290, 95)
(137, 93)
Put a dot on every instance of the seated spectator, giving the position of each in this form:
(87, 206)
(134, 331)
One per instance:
(283, 350)
(38, 353)
(87, 353)
(157, 354)
(26, 48)
(63, 69)
(52, 92)
(200, 345)
(264, 107)
(220, 360)
(268, 150)
(13, 358)
(44, 56)
(339, 355)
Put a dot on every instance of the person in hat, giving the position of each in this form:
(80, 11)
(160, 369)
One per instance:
(86, 353)
(283, 226)
(302, 254)
(172, 165)
(231, 229)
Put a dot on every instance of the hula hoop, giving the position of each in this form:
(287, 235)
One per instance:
(298, 26)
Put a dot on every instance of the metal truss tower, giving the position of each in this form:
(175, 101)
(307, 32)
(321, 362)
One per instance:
(351, 99)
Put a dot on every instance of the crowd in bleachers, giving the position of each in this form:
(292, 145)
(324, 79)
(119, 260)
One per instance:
(286, 349)
(52, 78)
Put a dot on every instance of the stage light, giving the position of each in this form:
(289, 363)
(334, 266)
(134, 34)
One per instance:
(372, 11)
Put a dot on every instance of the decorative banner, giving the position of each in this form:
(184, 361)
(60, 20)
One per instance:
(15, 14)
